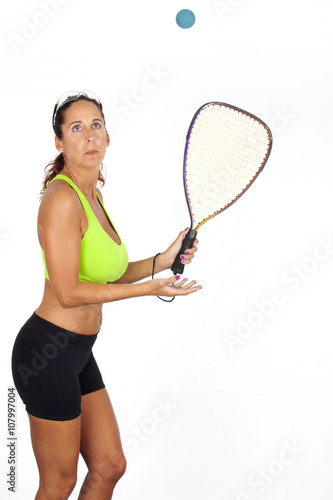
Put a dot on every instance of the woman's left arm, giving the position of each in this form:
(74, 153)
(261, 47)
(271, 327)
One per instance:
(141, 269)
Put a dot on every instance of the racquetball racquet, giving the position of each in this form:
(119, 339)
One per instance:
(226, 149)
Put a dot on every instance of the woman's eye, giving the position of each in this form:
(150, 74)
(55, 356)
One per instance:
(95, 125)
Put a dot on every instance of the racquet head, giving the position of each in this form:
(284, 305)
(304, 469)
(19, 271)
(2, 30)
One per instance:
(226, 149)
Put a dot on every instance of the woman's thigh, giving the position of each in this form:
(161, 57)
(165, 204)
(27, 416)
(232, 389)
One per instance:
(56, 445)
(100, 437)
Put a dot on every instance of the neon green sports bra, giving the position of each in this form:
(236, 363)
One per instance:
(102, 260)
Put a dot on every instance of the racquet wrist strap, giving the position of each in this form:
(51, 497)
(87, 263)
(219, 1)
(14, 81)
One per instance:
(152, 277)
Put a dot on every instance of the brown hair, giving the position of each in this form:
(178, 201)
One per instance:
(55, 166)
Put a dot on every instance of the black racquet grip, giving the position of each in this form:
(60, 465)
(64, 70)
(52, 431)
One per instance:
(177, 267)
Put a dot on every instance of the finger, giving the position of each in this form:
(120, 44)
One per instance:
(186, 261)
(191, 251)
(175, 279)
(187, 256)
(190, 284)
(180, 283)
(184, 285)
(182, 234)
(195, 243)
(185, 290)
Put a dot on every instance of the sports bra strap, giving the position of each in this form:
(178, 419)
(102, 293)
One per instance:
(83, 199)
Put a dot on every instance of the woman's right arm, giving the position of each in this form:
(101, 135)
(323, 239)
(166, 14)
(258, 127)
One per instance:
(60, 231)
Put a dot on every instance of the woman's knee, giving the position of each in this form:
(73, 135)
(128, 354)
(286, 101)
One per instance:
(110, 470)
(118, 467)
(58, 489)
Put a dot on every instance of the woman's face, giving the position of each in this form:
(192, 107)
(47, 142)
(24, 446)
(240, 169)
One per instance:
(84, 138)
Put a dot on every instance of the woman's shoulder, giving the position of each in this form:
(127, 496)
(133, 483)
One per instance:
(59, 196)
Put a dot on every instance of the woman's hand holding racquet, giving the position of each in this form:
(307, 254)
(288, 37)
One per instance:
(167, 258)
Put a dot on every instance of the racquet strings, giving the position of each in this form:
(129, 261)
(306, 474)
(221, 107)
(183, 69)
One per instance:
(225, 152)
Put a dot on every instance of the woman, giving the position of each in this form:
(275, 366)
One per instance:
(86, 265)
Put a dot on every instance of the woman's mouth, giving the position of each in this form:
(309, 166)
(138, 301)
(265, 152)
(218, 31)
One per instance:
(91, 152)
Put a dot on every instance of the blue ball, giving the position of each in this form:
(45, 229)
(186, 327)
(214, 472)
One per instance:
(185, 18)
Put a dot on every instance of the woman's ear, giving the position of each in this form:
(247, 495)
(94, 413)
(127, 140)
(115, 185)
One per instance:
(58, 144)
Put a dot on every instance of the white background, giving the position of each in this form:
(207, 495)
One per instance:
(244, 367)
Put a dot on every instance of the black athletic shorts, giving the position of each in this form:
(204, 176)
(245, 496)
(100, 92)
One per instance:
(52, 369)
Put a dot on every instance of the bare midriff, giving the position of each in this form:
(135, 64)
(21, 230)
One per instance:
(85, 320)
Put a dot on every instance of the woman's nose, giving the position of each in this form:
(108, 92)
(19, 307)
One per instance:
(89, 136)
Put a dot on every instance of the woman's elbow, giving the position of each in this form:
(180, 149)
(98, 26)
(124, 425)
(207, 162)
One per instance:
(65, 302)
(67, 299)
